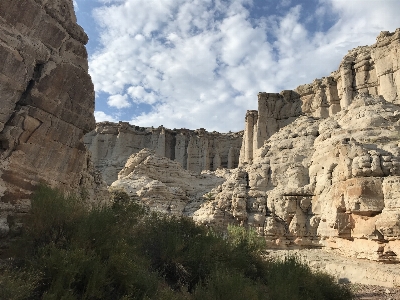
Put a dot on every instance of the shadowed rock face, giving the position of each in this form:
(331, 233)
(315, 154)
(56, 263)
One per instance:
(112, 144)
(47, 103)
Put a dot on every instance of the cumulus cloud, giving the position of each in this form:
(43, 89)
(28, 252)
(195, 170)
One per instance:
(101, 116)
(118, 101)
(201, 63)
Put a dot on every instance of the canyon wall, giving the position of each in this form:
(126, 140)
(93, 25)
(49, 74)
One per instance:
(112, 144)
(164, 186)
(319, 166)
(47, 105)
(318, 182)
(372, 70)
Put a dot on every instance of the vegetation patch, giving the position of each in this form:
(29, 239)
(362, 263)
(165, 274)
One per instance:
(125, 252)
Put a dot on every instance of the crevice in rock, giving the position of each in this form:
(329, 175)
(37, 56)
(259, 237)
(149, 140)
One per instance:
(37, 74)
(5, 150)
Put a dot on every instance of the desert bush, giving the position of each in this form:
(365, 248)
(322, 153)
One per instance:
(230, 285)
(240, 236)
(118, 196)
(289, 278)
(17, 284)
(82, 254)
(52, 219)
(125, 252)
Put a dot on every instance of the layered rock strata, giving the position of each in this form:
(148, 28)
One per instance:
(319, 166)
(112, 144)
(372, 70)
(330, 182)
(47, 104)
(164, 186)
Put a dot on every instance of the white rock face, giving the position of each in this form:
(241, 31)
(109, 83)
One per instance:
(319, 166)
(372, 70)
(322, 182)
(196, 150)
(163, 185)
(330, 182)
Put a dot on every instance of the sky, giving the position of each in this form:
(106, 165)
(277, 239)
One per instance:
(201, 63)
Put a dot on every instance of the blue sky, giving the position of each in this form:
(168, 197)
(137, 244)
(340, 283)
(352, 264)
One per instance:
(201, 63)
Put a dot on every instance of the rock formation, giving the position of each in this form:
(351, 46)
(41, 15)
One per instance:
(322, 182)
(196, 150)
(47, 104)
(322, 161)
(372, 70)
(319, 166)
(163, 184)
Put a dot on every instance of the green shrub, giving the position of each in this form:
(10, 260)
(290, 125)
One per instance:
(17, 284)
(53, 218)
(239, 236)
(124, 252)
(119, 197)
(289, 278)
(230, 285)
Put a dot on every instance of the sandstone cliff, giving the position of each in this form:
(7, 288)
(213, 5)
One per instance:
(196, 150)
(373, 70)
(319, 166)
(323, 160)
(163, 184)
(47, 104)
(322, 182)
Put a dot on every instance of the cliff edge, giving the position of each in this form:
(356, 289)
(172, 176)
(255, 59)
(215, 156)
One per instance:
(47, 105)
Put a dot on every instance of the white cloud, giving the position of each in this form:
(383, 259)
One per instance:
(118, 101)
(201, 63)
(140, 95)
(285, 3)
(101, 116)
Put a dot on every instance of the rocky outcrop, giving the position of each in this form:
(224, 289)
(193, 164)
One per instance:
(317, 182)
(47, 104)
(164, 186)
(319, 166)
(275, 111)
(112, 144)
(372, 70)
(322, 182)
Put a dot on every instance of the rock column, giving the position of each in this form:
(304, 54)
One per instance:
(246, 152)
(347, 78)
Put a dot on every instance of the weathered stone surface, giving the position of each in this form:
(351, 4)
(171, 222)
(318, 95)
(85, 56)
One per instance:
(47, 104)
(326, 156)
(196, 150)
(163, 185)
(274, 112)
(372, 70)
(319, 166)
(330, 182)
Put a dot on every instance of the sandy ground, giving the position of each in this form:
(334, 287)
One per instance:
(374, 292)
(367, 279)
